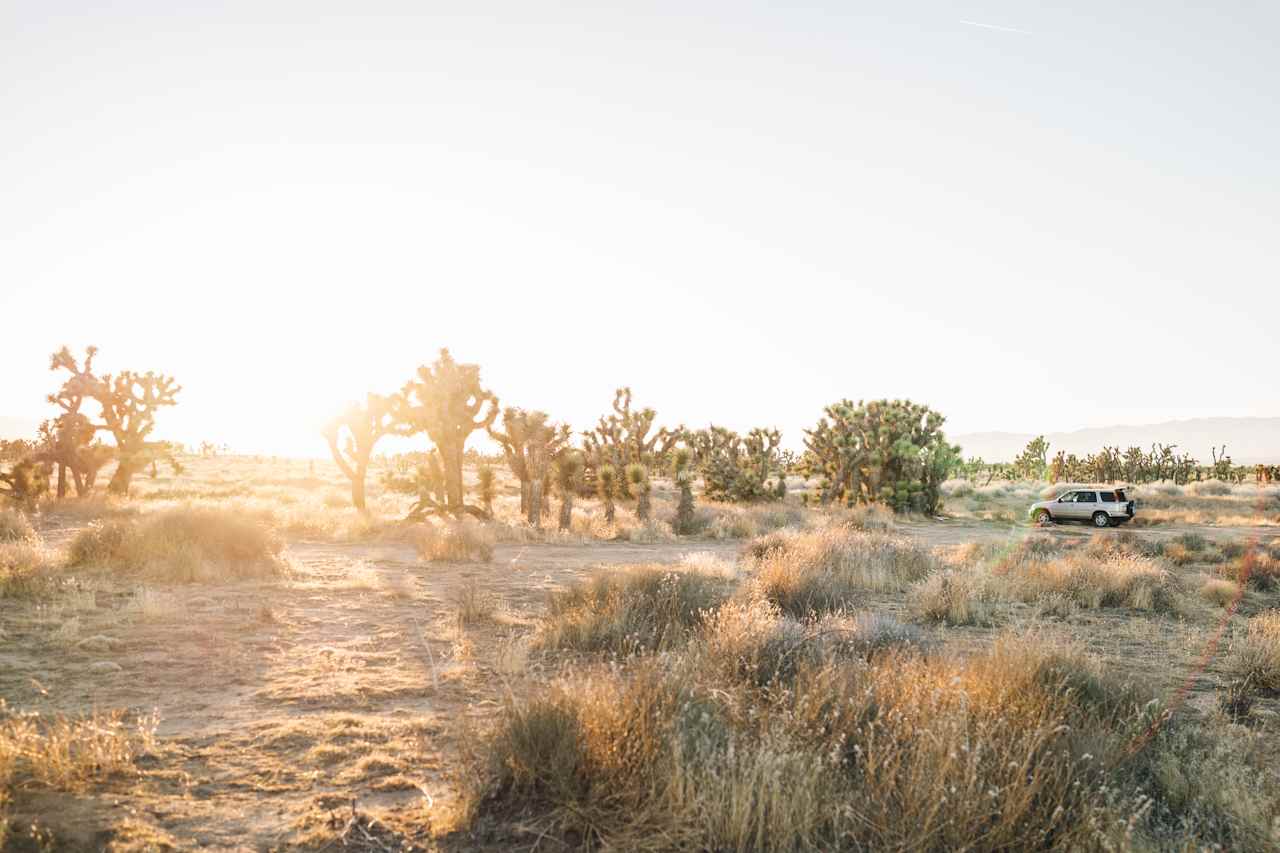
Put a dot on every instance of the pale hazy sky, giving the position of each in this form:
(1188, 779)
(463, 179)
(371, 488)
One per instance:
(1032, 219)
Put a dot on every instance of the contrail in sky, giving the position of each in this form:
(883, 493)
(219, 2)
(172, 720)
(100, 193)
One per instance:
(997, 27)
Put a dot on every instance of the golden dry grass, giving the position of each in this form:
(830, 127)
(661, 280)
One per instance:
(827, 569)
(1025, 746)
(1255, 657)
(15, 527)
(181, 544)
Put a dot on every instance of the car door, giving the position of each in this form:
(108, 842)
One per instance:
(1066, 506)
(1086, 504)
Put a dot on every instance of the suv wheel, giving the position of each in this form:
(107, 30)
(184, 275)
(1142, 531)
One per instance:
(1101, 519)
(1043, 518)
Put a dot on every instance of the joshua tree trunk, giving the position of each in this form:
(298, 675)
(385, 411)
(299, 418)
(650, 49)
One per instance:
(123, 476)
(62, 481)
(357, 488)
(534, 514)
(566, 510)
(642, 505)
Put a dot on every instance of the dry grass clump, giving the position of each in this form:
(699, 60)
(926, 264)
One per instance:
(726, 521)
(27, 570)
(62, 754)
(632, 609)
(459, 540)
(1054, 580)
(752, 642)
(1209, 488)
(1255, 567)
(182, 544)
(1219, 592)
(15, 527)
(1026, 746)
(1255, 658)
(824, 570)
(472, 605)
(954, 597)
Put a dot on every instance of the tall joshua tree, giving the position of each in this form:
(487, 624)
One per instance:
(568, 472)
(352, 436)
(446, 401)
(129, 402)
(529, 441)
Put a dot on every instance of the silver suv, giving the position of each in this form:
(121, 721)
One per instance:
(1101, 507)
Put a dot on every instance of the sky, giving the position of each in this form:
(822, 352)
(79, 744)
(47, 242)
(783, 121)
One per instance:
(1030, 218)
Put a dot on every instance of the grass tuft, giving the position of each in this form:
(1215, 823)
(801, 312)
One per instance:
(183, 544)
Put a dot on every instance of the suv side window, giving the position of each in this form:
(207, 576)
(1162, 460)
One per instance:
(1068, 498)
(1108, 497)
(1086, 497)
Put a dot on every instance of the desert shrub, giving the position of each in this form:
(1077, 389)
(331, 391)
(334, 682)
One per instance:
(1179, 554)
(472, 605)
(182, 544)
(1255, 657)
(1029, 746)
(862, 517)
(1219, 592)
(824, 570)
(630, 610)
(1051, 579)
(953, 596)
(15, 527)
(1255, 568)
(1138, 583)
(1209, 488)
(458, 540)
(1193, 542)
(751, 642)
(27, 570)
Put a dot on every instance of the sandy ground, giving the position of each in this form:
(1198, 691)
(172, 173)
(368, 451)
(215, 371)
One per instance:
(281, 704)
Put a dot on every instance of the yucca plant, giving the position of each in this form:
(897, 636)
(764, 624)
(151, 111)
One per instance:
(638, 480)
(607, 486)
(568, 471)
(682, 471)
(486, 482)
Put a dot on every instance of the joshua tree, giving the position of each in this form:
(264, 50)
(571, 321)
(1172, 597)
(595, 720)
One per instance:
(638, 478)
(447, 402)
(352, 435)
(568, 471)
(529, 441)
(623, 438)
(891, 451)
(607, 486)
(129, 402)
(485, 482)
(682, 471)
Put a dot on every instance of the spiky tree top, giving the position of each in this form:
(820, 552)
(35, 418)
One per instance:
(623, 438)
(446, 401)
(527, 434)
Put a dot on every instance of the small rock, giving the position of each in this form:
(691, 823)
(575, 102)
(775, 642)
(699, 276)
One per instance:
(98, 643)
(105, 666)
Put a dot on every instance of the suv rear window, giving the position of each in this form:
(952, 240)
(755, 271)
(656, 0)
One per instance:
(1108, 497)
(1120, 496)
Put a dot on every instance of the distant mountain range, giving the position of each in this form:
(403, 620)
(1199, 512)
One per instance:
(1248, 440)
